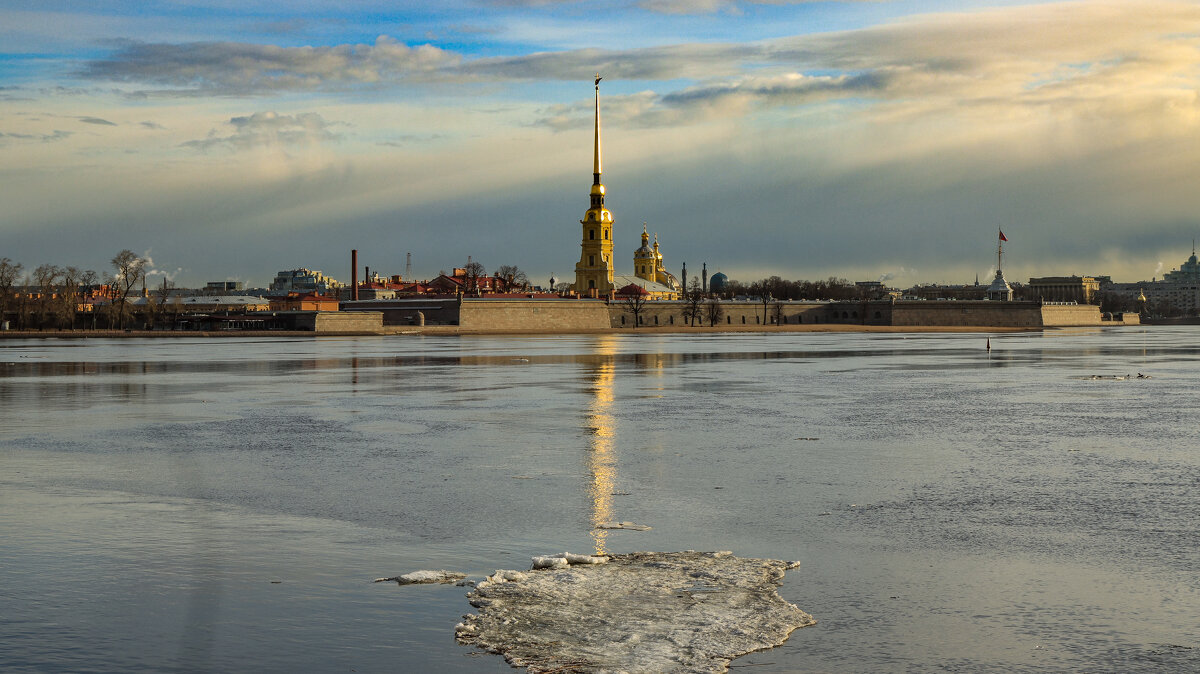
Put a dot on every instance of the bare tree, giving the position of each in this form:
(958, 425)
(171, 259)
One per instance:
(87, 284)
(713, 311)
(69, 292)
(693, 296)
(513, 277)
(777, 313)
(24, 304)
(9, 273)
(129, 270)
(473, 271)
(766, 299)
(635, 304)
(45, 279)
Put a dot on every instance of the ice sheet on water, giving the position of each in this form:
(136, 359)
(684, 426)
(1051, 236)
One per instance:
(424, 577)
(631, 614)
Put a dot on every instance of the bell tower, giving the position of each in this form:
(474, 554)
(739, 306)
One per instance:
(594, 271)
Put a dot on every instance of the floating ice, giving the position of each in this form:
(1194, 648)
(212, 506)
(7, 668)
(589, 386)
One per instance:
(425, 577)
(550, 562)
(639, 612)
(623, 525)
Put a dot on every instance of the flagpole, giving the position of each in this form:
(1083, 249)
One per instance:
(999, 251)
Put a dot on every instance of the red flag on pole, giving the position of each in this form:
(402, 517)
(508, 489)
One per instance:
(1002, 237)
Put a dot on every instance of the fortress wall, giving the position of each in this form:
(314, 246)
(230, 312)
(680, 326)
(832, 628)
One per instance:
(751, 313)
(969, 314)
(437, 311)
(1065, 315)
(519, 314)
(338, 321)
(1068, 315)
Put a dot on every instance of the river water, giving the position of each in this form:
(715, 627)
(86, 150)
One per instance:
(223, 504)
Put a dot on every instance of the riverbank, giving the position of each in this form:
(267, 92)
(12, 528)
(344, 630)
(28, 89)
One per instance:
(448, 330)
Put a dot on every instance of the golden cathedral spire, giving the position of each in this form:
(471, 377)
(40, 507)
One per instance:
(594, 271)
(596, 157)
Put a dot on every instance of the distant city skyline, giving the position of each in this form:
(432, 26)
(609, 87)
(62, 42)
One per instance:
(866, 140)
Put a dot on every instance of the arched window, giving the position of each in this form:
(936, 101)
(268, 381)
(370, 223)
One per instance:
(656, 320)
(591, 235)
(606, 234)
(591, 260)
(743, 320)
(591, 283)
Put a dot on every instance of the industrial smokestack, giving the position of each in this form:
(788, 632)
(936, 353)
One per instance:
(354, 274)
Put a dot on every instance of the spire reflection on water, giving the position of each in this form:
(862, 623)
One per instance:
(602, 458)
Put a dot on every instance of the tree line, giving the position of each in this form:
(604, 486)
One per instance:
(832, 288)
(50, 296)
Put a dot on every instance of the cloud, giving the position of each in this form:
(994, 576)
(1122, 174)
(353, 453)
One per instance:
(686, 6)
(269, 129)
(55, 135)
(153, 125)
(1102, 59)
(96, 120)
(240, 68)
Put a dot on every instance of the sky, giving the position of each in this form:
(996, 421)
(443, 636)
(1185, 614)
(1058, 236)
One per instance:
(870, 139)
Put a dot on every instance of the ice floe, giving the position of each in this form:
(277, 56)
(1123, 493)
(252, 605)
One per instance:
(424, 577)
(622, 525)
(638, 612)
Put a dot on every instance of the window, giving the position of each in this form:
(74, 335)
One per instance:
(591, 260)
(591, 284)
(656, 320)
(591, 235)
(606, 235)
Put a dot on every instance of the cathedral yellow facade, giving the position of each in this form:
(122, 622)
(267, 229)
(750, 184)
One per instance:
(594, 271)
(648, 263)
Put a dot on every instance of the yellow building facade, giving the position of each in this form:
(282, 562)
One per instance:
(648, 263)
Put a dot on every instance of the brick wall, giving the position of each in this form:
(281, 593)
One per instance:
(356, 321)
(533, 314)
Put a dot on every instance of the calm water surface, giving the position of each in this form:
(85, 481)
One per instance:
(223, 505)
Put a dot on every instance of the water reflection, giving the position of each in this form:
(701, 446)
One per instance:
(602, 459)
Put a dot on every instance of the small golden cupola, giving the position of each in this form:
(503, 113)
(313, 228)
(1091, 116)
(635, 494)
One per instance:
(644, 262)
(594, 271)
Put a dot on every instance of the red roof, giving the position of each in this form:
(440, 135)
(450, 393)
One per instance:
(633, 289)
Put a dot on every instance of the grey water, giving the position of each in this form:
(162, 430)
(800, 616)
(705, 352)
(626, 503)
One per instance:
(223, 505)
